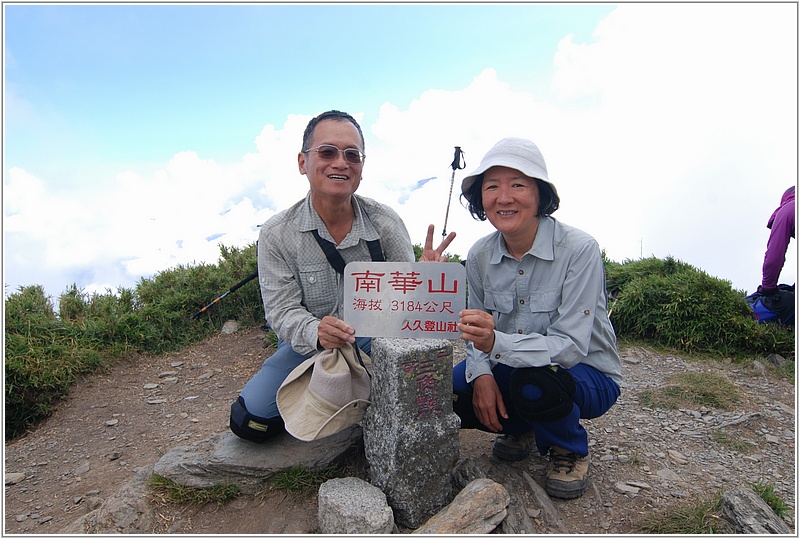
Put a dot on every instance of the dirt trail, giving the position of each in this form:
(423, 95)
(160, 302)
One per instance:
(643, 460)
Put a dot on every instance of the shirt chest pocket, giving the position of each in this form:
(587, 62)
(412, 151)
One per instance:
(501, 305)
(544, 307)
(320, 289)
(499, 302)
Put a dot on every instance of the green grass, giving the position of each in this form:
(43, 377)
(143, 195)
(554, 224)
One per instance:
(172, 492)
(693, 517)
(767, 493)
(702, 516)
(734, 443)
(784, 371)
(692, 389)
(300, 481)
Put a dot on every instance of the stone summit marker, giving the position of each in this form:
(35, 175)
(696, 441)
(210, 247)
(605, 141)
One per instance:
(410, 430)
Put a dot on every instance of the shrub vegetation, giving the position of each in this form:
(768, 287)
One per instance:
(47, 351)
(673, 304)
(665, 302)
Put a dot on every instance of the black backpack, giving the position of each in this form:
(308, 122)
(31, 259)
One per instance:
(778, 307)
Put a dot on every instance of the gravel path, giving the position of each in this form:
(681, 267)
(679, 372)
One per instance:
(643, 460)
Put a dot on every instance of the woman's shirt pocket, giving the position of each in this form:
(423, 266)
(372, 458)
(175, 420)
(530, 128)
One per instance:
(543, 305)
(501, 305)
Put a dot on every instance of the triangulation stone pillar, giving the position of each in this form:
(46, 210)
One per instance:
(410, 430)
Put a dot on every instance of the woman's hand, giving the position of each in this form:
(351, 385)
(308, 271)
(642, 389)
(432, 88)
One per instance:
(477, 326)
(429, 254)
(487, 401)
(332, 333)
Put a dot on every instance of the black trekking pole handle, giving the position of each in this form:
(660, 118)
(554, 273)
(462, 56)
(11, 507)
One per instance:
(458, 160)
(458, 163)
(244, 281)
(232, 289)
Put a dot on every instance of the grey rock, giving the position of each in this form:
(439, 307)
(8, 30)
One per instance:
(13, 478)
(527, 499)
(411, 436)
(469, 469)
(746, 513)
(677, 457)
(82, 469)
(352, 506)
(624, 488)
(478, 508)
(776, 359)
(127, 511)
(225, 458)
(542, 500)
(517, 520)
(231, 326)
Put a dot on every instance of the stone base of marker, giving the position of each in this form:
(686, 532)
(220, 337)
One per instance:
(410, 430)
(351, 506)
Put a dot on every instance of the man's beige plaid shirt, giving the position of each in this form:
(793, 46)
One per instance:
(298, 285)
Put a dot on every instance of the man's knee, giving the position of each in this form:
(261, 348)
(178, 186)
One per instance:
(251, 427)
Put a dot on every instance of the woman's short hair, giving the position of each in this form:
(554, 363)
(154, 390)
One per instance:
(548, 199)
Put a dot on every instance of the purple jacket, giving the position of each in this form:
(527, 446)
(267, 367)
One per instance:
(781, 224)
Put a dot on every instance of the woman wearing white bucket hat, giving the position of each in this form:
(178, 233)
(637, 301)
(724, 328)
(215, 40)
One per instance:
(541, 351)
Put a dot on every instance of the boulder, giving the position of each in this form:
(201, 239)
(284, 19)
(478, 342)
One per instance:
(478, 509)
(352, 506)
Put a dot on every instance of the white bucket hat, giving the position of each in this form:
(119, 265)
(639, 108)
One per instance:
(517, 153)
(325, 394)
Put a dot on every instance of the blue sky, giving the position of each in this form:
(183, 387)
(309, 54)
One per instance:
(139, 137)
(127, 83)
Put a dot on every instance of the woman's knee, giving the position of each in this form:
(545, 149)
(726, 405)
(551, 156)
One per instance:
(595, 392)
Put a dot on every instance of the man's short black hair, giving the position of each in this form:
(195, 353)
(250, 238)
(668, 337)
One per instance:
(336, 115)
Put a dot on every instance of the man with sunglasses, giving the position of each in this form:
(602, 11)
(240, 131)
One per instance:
(299, 251)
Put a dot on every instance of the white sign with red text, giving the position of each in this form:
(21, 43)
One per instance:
(418, 300)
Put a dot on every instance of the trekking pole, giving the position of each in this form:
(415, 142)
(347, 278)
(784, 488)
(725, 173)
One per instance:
(232, 289)
(458, 163)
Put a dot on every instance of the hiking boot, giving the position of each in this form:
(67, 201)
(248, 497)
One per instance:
(513, 447)
(567, 474)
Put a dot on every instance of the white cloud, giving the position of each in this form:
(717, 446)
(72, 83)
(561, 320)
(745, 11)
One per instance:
(668, 134)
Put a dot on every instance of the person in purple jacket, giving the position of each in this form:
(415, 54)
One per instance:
(781, 225)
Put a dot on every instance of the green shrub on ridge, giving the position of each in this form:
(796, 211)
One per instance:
(47, 352)
(676, 305)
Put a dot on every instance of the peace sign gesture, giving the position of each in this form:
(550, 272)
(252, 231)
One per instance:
(429, 254)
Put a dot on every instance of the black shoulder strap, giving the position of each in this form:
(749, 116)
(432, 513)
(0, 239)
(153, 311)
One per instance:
(335, 258)
(374, 246)
(375, 251)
